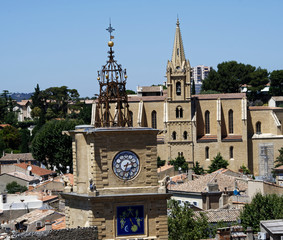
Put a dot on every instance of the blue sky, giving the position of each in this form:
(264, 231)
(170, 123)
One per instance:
(64, 42)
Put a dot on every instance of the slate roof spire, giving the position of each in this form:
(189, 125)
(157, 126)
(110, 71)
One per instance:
(178, 55)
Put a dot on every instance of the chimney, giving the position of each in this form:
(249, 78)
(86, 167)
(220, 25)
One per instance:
(48, 225)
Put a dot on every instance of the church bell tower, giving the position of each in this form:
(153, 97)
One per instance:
(115, 168)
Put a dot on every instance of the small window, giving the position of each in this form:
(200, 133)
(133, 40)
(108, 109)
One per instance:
(207, 152)
(174, 135)
(231, 125)
(258, 128)
(231, 152)
(153, 119)
(185, 135)
(179, 112)
(178, 88)
(207, 122)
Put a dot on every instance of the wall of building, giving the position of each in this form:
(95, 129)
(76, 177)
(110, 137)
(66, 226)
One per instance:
(5, 179)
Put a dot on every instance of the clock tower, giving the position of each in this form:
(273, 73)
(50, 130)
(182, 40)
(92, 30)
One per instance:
(115, 167)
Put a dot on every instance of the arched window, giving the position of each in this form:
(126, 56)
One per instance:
(153, 119)
(131, 119)
(258, 128)
(185, 135)
(207, 153)
(178, 88)
(207, 122)
(231, 125)
(231, 152)
(174, 135)
(179, 112)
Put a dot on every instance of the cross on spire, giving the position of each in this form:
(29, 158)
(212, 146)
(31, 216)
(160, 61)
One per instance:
(110, 29)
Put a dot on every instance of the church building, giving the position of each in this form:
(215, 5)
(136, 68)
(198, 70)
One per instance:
(200, 126)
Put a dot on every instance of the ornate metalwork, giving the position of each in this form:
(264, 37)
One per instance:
(112, 82)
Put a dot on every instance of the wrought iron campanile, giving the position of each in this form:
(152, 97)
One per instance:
(112, 109)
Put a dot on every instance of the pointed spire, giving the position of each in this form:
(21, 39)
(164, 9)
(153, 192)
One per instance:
(178, 56)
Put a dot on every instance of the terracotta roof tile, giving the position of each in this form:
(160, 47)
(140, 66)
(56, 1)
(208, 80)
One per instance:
(49, 198)
(200, 184)
(34, 216)
(165, 167)
(221, 215)
(221, 96)
(146, 98)
(21, 176)
(35, 169)
(59, 223)
(18, 156)
(253, 108)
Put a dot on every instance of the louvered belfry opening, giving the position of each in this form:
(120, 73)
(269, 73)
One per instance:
(112, 109)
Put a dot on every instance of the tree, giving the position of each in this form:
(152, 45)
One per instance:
(262, 208)
(14, 187)
(217, 163)
(276, 83)
(198, 169)
(11, 138)
(179, 162)
(160, 162)
(193, 88)
(229, 77)
(279, 159)
(53, 148)
(257, 81)
(183, 225)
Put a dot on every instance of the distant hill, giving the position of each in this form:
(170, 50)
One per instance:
(21, 96)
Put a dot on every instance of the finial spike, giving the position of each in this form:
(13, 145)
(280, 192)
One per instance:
(178, 23)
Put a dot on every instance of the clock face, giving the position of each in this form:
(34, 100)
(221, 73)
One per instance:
(126, 165)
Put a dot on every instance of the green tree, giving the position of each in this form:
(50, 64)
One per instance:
(279, 159)
(183, 225)
(217, 163)
(14, 187)
(53, 148)
(179, 162)
(25, 140)
(160, 162)
(198, 169)
(11, 138)
(262, 208)
(228, 78)
(257, 81)
(276, 83)
(193, 88)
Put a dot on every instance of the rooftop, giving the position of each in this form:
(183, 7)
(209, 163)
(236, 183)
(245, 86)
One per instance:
(17, 156)
(274, 226)
(21, 175)
(221, 215)
(35, 169)
(220, 96)
(224, 181)
(34, 216)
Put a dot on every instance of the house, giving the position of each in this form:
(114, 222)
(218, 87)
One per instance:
(28, 169)
(279, 175)
(15, 205)
(209, 191)
(18, 177)
(35, 219)
(57, 224)
(23, 110)
(271, 229)
(275, 101)
(11, 158)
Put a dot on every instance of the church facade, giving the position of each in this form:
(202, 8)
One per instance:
(200, 126)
